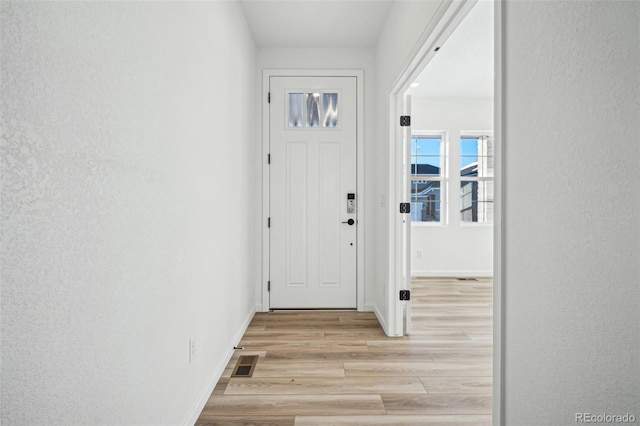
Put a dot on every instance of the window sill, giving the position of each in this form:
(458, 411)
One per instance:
(429, 224)
(476, 225)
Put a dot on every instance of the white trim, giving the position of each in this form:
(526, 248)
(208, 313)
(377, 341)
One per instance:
(197, 408)
(440, 224)
(266, 183)
(360, 243)
(475, 133)
(498, 219)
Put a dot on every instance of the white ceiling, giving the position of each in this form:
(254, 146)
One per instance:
(313, 23)
(463, 67)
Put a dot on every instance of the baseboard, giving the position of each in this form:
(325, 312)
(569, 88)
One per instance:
(480, 274)
(371, 307)
(194, 413)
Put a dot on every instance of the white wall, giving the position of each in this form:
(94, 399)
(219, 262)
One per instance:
(127, 207)
(571, 253)
(406, 22)
(332, 58)
(452, 248)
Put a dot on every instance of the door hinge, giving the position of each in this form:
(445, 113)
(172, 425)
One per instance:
(268, 222)
(268, 97)
(268, 285)
(405, 294)
(405, 120)
(405, 207)
(268, 158)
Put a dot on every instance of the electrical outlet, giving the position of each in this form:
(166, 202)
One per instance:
(419, 254)
(192, 350)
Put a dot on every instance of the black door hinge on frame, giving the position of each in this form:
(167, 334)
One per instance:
(405, 207)
(269, 97)
(405, 294)
(268, 285)
(405, 120)
(268, 222)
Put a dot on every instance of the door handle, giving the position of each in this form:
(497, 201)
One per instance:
(350, 222)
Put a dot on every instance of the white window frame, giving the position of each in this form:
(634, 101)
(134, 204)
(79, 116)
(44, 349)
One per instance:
(444, 174)
(472, 134)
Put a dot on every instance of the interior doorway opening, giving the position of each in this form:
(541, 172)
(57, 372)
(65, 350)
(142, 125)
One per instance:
(451, 161)
(447, 167)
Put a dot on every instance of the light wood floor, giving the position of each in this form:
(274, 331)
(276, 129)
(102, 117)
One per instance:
(339, 368)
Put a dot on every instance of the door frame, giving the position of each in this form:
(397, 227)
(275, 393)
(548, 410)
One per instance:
(266, 183)
(445, 21)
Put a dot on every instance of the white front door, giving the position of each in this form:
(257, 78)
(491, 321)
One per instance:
(313, 200)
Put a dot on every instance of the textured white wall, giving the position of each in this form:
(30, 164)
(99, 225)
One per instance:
(572, 234)
(127, 207)
(452, 249)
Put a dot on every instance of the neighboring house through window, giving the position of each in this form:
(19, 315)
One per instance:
(476, 178)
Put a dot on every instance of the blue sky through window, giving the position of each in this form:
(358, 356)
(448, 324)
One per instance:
(426, 151)
(468, 151)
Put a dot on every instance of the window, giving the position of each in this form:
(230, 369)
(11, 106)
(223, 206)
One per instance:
(427, 188)
(476, 179)
(313, 110)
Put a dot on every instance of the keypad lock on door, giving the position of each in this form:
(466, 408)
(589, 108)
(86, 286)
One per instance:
(351, 202)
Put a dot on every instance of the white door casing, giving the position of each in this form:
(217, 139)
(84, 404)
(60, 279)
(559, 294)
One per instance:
(406, 225)
(312, 170)
(446, 19)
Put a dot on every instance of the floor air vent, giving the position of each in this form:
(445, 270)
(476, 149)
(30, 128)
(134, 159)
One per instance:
(466, 279)
(245, 366)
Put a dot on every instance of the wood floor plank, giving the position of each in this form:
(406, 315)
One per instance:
(284, 405)
(357, 333)
(418, 334)
(459, 384)
(333, 386)
(440, 403)
(480, 334)
(469, 356)
(415, 348)
(394, 420)
(305, 346)
(284, 334)
(299, 369)
(360, 356)
(360, 321)
(377, 369)
(215, 420)
(221, 386)
(427, 343)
